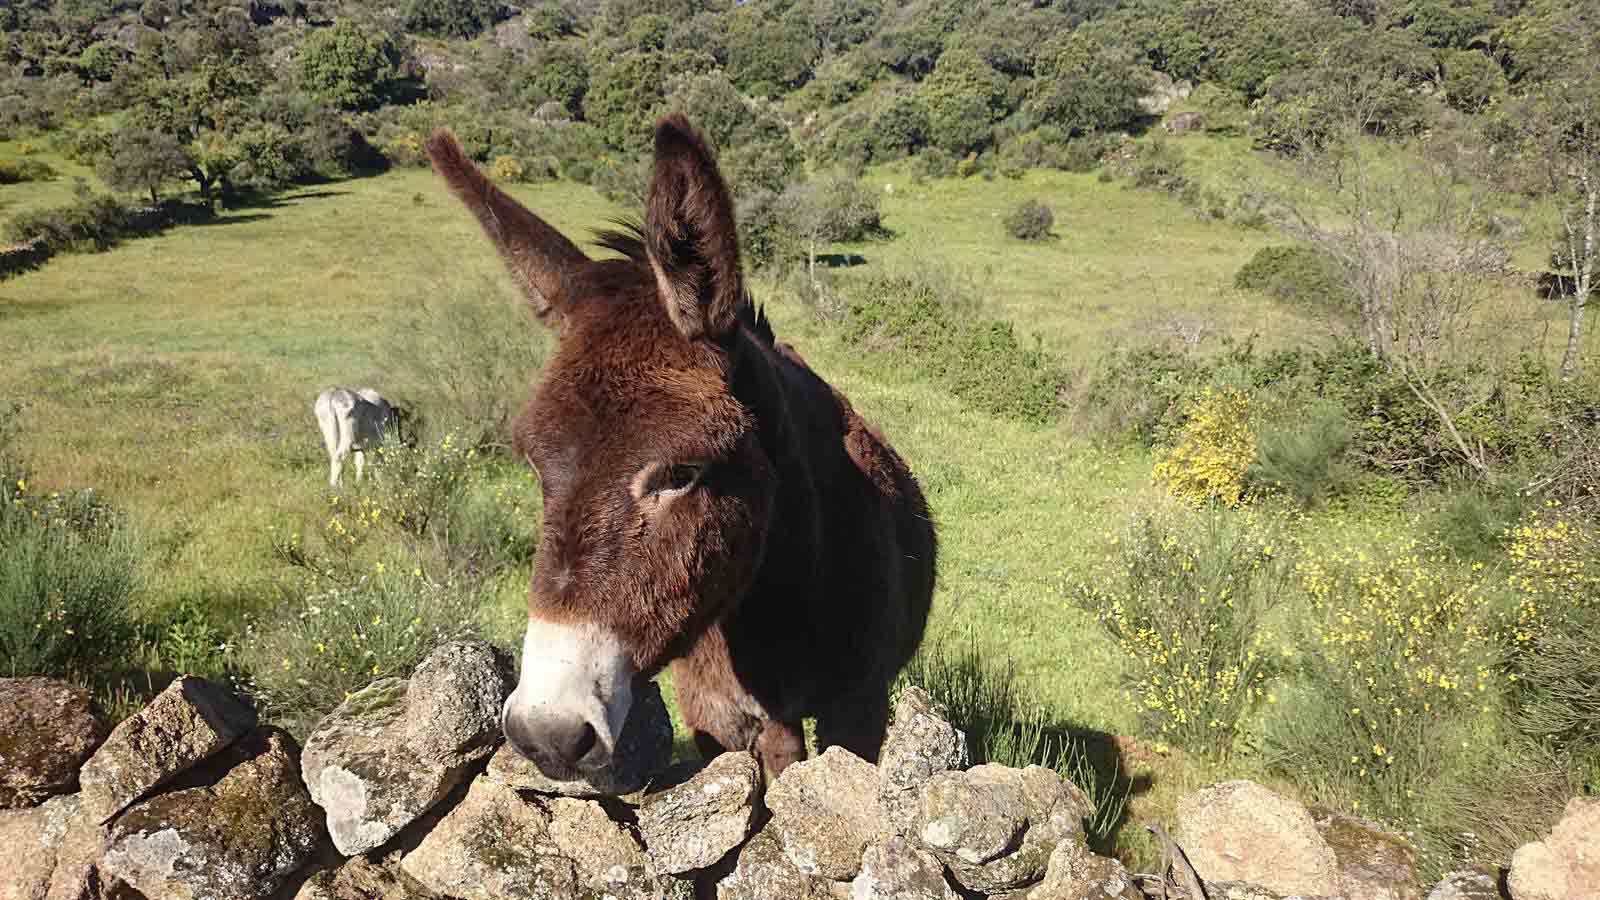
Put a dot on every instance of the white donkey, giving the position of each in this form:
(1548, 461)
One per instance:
(353, 420)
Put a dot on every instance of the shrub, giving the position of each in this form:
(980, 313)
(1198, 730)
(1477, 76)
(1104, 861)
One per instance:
(1305, 458)
(1299, 275)
(466, 353)
(1138, 394)
(1159, 164)
(449, 18)
(984, 699)
(1400, 653)
(66, 576)
(1475, 520)
(1030, 221)
(308, 656)
(17, 171)
(1187, 600)
(1214, 450)
(932, 324)
(347, 65)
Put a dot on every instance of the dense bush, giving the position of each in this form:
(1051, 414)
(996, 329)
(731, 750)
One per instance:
(932, 324)
(1214, 450)
(1302, 276)
(347, 65)
(17, 171)
(1031, 220)
(449, 18)
(94, 222)
(1188, 600)
(1306, 456)
(1082, 86)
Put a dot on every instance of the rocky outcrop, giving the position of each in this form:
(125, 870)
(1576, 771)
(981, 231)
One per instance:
(1240, 831)
(47, 729)
(1564, 865)
(493, 845)
(694, 823)
(392, 751)
(644, 750)
(895, 870)
(236, 838)
(184, 725)
(921, 743)
(1373, 864)
(995, 826)
(825, 812)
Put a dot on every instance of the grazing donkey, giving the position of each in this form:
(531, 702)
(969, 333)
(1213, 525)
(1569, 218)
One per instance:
(709, 501)
(354, 420)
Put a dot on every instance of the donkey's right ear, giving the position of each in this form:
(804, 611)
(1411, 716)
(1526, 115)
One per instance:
(540, 258)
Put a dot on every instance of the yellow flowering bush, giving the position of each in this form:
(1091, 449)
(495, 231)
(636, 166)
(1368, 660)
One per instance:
(1401, 655)
(1554, 632)
(507, 168)
(1554, 570)
(1187, 601)
(1214, 449)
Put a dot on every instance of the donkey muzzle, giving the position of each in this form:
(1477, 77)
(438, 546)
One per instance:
(571, 699)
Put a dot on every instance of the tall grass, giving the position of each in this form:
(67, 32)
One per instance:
(984, 698)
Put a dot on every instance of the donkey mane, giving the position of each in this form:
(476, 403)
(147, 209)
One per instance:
(627, 238)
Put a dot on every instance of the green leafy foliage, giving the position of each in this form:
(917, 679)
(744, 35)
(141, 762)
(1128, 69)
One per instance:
(348, 66)
(1299, 275)
(1082, 86)
(449, 18)
(1031, 220)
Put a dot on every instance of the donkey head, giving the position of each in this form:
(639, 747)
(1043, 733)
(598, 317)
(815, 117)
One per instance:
(657, 483)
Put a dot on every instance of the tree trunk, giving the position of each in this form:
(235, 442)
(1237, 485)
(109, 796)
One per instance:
(1582, 277)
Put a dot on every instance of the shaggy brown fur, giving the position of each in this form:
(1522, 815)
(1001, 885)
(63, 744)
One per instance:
(707, 496)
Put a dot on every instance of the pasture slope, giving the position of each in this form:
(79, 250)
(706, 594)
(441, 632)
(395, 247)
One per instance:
(176, 374)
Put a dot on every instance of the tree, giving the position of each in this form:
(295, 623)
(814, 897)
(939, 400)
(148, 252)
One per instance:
(450, 18)
(348, 66)
(1081, 86)
(963, 97)
(556, 71)
(142, 160)
(827, 210)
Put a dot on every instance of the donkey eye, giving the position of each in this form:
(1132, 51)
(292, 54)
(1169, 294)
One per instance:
(680, 478)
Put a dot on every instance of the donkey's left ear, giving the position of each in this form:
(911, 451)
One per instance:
(690, 234)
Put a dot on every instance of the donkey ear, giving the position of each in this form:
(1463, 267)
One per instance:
(540, 258)
(690, 234)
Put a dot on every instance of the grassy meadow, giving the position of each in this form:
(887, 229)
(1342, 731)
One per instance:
(175, 375)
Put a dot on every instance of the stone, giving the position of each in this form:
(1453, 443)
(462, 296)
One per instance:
(1185, 121)
(453, 702)
(895, 870)
(47, 729)
(996, 827)
(33, 839)
(363, 879)
(1075, 873)
(765, 872)
(1373, 864)
(1239, 890)
(363, 772)
(695, 823)
(1477, 884)
(1565, 865)
(603, 850)
(825, 811)
(237, 838)
(493, 845)
(184, 725)
(644, 749)
(1240, 831)
(77, 858)
(921, 743)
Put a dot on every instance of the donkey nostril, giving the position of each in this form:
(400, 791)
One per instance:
(583, 741)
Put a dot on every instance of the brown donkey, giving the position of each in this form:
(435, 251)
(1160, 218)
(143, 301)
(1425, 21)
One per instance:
(709, 501)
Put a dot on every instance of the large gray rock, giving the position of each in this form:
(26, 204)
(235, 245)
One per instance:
(47, 729)
(1240, 831)
(606, 853)
(765, 872)
(364, 773)
(185, 724)
(921, 743)
(453, 703)
(1468, 885)
(237, 838)
(1565, 865)
(695, 823)
(493, 845)
(77, 855)
(995, 826)
(1373, 864)
(825, 811)
(31, 839)
(1075, 873)
(643, 750)
(895, 870)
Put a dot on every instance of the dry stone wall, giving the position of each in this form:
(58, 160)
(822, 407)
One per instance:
(405, 792)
